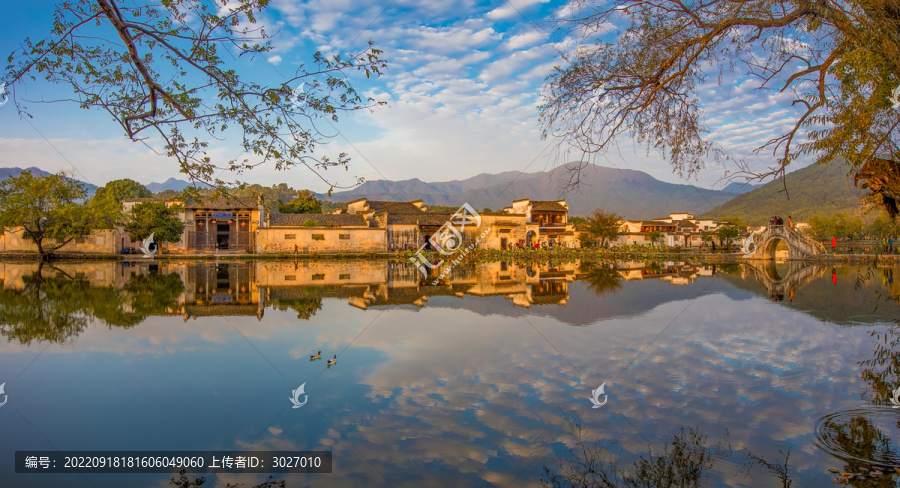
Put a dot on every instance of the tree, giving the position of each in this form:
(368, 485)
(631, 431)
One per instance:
(50, 207)
(840, 224)
(170, 70)
(155, 218)
(304, 202)
(726, 234)
(123, 189)
(655, 237)
(603, 225)
(840, 60)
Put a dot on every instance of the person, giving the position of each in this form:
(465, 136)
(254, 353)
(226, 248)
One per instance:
(713, 246)
(833, 244)
(790, 222)
(890, 245)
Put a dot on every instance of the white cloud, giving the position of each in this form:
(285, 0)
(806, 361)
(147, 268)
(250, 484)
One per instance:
(275, 59)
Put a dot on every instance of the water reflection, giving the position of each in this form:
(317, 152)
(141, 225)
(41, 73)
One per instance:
(446, 385)
(124, 294)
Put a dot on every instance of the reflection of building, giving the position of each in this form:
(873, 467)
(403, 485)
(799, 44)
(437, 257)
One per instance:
(676, 273)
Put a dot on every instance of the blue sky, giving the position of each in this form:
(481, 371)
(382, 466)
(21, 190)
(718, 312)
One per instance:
(462, 90)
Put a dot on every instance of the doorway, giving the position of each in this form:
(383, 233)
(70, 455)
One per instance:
(222, 234)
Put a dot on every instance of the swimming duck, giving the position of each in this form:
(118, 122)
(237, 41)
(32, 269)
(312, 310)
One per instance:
(316, 356)
(332, 361)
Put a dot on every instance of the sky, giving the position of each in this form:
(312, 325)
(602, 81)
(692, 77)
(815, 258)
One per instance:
(462, 90)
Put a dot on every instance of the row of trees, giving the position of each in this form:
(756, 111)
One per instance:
(843, 224)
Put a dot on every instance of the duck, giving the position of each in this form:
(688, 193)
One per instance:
(332, 361)
(316, 356)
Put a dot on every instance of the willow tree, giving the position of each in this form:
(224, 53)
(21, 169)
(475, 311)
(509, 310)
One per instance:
(167, 71)
(640, 64)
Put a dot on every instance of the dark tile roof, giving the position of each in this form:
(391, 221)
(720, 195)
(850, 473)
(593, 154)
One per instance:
(547, 206)
(394, 207)
(322, 220)
(223, 203)
(422, 218)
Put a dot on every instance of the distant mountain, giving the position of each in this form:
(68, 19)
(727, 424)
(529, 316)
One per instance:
(633, 194)
(170, 184)
(814, 190)
(741, 187)
(7, 172)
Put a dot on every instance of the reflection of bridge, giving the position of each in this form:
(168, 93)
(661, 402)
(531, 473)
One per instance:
(798, 275)
(800, 246)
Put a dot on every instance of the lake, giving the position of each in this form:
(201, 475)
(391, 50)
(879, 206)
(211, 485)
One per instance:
(730, 375)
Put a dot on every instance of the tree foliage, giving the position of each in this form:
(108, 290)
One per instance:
(168, 73)
(726, 234)
(120, 190)
(839, 60)
(841, 224)
(51, 207)
(603, 225)
(155, 218)
(304, 202)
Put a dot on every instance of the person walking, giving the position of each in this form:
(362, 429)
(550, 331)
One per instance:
(890, 245)
(833, 244)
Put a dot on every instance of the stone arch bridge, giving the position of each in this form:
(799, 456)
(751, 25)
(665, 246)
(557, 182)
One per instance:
(799, 245)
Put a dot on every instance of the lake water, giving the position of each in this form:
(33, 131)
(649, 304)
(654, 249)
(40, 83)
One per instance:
(750, 376)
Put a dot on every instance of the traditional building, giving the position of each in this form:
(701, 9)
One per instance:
(547, 222)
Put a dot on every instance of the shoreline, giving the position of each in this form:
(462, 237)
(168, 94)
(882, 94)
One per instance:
(590, 254)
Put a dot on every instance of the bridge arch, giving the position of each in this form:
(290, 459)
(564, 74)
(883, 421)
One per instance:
(799, 245)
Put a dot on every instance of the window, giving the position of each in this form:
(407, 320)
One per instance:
(290, 236)
(80, 240)
(318, 276)
(318, 237)
(290, 278)
(344, 277)
(344, 236)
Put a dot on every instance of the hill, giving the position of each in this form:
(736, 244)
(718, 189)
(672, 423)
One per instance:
(14, 171)
(170, 184)
(813, 190)
(633, 194)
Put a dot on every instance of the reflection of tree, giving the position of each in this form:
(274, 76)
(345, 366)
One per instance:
(681, 462)
(184, 482)
(305, 307)
(42, 310)
(599, 278)
(154, 294)
(53, 306)
(859, 438)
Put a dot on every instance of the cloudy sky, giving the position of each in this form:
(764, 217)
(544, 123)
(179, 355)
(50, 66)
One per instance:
(462, 90)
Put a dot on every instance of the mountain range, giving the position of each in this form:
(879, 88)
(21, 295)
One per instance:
(633, 194)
